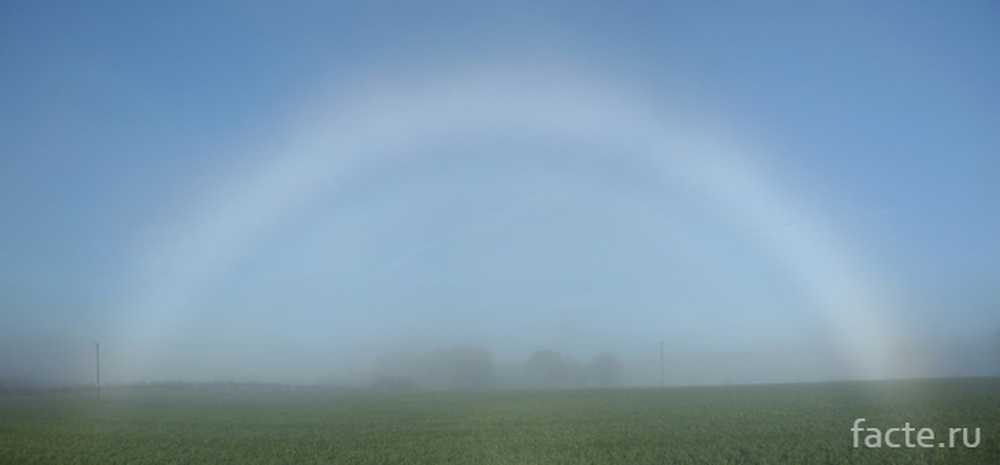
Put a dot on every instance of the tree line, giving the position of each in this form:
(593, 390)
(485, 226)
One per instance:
(474, 368)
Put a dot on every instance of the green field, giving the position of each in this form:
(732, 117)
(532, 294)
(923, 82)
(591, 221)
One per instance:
(795, 424)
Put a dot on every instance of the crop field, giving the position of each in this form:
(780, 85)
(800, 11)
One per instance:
(763, 424)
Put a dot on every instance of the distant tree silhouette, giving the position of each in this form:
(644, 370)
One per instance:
(606, 370)
(393, 366)
(548, 368)
(391, 383)
(464, 367)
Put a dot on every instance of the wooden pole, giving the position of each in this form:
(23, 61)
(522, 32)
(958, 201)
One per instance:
(663, 371)
(97, 352)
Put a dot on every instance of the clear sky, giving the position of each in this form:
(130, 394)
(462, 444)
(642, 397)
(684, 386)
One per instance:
(879, 119)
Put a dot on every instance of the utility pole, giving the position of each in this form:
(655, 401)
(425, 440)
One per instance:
(97, 352)
(663, 371)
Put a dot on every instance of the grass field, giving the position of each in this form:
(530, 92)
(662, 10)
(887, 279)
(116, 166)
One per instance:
(795, 424)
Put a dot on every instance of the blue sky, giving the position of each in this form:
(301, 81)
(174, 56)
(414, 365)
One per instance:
(881, 118)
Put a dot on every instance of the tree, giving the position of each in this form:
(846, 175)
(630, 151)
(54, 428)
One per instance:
(606, 370)
(393, 383)
(394, 366)
(464, 367)
(548, 368)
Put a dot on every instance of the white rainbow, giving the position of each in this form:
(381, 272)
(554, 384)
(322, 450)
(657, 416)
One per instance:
(391, 118)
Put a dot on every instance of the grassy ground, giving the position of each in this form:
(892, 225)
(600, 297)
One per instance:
(794, 424)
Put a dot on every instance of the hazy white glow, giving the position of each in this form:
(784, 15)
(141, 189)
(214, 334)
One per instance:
(390, 118)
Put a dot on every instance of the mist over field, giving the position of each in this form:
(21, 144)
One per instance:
(537, 196)
(499, 233)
